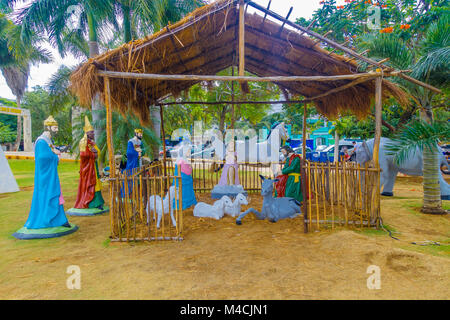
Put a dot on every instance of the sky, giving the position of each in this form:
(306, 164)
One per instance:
(40, 74)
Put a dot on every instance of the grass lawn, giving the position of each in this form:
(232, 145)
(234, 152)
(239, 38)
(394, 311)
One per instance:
(220, 260)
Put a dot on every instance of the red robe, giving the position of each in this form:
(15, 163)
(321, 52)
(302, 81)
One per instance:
(88, 177)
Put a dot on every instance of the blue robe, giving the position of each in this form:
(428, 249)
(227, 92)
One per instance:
(46, 212)
(187, 183)
(132, 157)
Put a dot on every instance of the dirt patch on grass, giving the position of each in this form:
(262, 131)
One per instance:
(220, 260)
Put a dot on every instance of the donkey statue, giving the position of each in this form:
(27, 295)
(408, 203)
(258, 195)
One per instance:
(273, 208)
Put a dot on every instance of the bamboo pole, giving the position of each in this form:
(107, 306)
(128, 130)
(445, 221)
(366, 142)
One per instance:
(163, 134)
(304, 132)
(309, 195)
(141, 207)
(192, 77)
(305, 197)
(154, 206)
(127, 224)
(378, 118)
(322, 169)
(360, 193)
(331, 194)
(241, 38)
(112, 167)
(181, 203)
(316, 194)
(345, 191)
(148, 212)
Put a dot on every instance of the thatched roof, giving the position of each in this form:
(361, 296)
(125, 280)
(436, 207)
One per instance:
(206, 42)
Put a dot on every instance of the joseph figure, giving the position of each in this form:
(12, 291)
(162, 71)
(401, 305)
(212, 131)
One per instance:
(289, 184)
(89, 188)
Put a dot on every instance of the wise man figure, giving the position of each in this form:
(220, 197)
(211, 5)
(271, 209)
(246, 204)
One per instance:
(135, 152)
(289, 184)
(47, 205)
(89, 197)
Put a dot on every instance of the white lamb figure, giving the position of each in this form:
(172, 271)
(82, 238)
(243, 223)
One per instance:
(215, 211)
(156, 200)
(235, 208)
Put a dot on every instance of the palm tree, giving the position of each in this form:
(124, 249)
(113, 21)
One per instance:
(429, 62)
(88, 16)
(425, 137)
(15, 59)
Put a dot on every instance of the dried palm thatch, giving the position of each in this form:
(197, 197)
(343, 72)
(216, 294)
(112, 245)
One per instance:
(204, 43)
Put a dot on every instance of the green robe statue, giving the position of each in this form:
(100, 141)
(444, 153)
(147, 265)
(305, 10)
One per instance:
(290, 182)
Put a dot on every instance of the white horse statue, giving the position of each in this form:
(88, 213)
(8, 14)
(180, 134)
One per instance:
(251, 150)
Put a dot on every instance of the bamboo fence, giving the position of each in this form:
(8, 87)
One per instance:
(342, 194)
(338, 194)
(131, 195)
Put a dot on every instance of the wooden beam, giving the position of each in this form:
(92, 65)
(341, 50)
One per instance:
(378, 118)
(304, 132)
(163, 134)
(241, 38)
(265, 15)
(109, 133)
(191, 77)
(229, 102)
(317, 41)
(284, 22)
(308, 27)
(110, 145)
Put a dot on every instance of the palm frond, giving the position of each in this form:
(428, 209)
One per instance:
(417, 135)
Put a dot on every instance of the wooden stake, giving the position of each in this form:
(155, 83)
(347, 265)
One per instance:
(378, 117)
(241, 38)
(304, 132)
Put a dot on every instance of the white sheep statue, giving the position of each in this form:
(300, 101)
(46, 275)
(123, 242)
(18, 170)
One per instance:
(215, 211)
(155, 200)
(235, 208)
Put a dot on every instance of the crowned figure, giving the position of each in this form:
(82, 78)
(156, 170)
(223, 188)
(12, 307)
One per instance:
(46, 218)
(135, 151)
(89, 198)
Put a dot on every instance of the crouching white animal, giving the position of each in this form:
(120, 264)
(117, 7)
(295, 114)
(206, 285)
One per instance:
(154, 201)
(215, 211)
(235, 208)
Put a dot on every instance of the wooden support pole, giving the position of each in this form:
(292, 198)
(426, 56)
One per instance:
(163, 134)
(191, 77)
(109, 141)
(241, 38)
(265, 15)
(325, 35)
(304, 132)
(378, 117)
(284, 22)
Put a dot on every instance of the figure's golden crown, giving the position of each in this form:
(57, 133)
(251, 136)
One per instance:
(138, 131)
(50, 121)
(87, 125)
